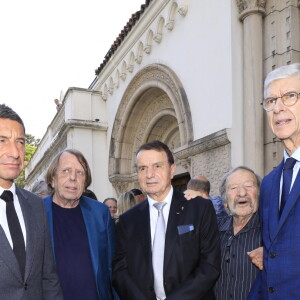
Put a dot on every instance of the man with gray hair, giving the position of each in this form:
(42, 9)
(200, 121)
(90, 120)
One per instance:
(239, 234)
(280, 197)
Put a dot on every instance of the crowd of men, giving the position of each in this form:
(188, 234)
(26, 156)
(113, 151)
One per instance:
(168, 245)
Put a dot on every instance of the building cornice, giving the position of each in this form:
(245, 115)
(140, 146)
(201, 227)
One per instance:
(207, 143)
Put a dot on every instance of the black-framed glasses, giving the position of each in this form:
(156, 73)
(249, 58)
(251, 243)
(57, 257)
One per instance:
(228, 247)
(288, 99)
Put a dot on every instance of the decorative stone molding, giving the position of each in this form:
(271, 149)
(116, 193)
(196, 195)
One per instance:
(186, 163)
(170, 25)
(138, 59)
(123, 76)
(148, 49)
(213, 164)
(130, 68)
(120, 187)
(207, 143)
(103, 95)
(183, 9)
(157, 37)
(248, 7)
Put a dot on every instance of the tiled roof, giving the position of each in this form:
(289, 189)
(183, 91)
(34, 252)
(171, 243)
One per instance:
(134, 18)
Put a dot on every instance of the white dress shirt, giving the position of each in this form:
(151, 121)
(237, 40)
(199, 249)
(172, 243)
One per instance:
(154, 213)
(3, 219)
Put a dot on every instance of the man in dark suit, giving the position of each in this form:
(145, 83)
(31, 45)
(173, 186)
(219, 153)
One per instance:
(81, 230)
(167, 247)
(27, 269)
(280, 191)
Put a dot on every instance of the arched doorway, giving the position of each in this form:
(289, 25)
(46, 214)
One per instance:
(154, 107)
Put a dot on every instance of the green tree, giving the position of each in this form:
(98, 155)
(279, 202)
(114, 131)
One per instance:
(31, 144)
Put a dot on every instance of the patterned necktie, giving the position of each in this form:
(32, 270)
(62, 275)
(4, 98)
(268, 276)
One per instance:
(15, 230)
(287, 180)
(158, 251)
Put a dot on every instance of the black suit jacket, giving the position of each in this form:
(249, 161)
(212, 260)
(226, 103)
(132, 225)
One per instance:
(192, 259)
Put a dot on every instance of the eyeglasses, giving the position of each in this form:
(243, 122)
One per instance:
(288, 99)
(227, 249)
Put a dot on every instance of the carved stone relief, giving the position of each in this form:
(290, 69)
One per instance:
(212, 164)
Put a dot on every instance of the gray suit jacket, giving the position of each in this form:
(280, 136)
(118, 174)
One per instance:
(41, 281)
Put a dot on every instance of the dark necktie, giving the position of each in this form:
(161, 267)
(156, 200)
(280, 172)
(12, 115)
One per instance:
(15, 230)
(287, 180)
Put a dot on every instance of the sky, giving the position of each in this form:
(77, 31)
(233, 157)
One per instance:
(48, 46)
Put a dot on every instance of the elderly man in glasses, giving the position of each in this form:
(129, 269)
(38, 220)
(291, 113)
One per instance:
(280, 196)
(239, 234)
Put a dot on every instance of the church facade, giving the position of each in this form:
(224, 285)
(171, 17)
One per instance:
(189, 73)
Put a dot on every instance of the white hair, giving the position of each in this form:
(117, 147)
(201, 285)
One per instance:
(281, 73)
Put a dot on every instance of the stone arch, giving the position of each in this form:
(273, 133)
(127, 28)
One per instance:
(154, 106)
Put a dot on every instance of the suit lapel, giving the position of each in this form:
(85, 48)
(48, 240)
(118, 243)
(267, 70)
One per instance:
(91, 229)
(30, 230)
(144, 231)
(274, 202)
(177, 211)
(8, 257)
(292, 199)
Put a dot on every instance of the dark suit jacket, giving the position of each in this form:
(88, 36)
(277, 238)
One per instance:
(280, 278)
(101, 238)
(40, 280)
(191, 262)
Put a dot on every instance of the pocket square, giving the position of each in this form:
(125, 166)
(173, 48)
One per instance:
(182, 229)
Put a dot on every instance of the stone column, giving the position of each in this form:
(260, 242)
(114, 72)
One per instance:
(251, 14)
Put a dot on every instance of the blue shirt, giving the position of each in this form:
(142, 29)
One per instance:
(218, 206)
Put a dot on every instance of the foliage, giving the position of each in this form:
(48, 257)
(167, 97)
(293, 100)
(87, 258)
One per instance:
(31, 144)
(31, 140)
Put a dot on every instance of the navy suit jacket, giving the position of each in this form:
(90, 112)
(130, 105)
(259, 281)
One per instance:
(100, 233)
(191, 260)
(280, 278)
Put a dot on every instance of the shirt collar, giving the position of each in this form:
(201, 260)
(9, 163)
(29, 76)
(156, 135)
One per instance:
(295, 155)
(227, 225)
(167, 200)
(12, 189)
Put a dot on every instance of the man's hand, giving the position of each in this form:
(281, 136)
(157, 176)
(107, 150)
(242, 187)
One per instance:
(190, 194)
(256, 257)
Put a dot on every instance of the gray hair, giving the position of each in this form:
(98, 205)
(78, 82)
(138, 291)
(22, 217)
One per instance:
(281, 73)
(223, 188)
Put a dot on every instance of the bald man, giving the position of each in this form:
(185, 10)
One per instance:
(200, 186)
